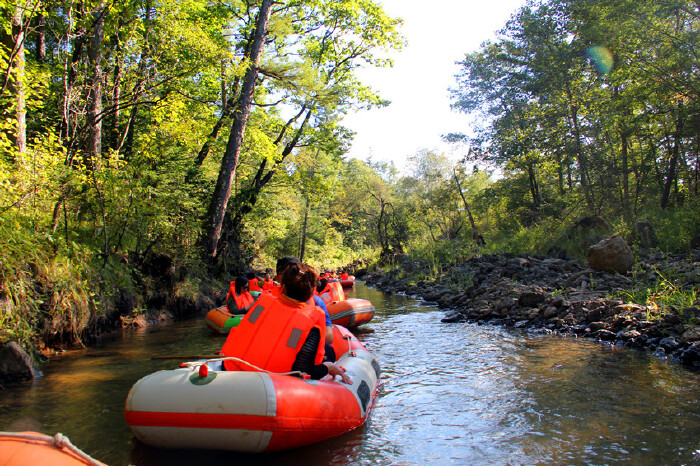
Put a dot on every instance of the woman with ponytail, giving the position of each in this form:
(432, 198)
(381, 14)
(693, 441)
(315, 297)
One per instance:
(298, 283)
(286, 333)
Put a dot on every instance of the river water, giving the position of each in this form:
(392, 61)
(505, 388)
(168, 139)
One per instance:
(450, 394)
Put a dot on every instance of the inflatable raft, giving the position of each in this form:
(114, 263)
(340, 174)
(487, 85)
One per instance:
(201, 405)
(219, 320)
(33, 448)
(350, 312)
(348, 282)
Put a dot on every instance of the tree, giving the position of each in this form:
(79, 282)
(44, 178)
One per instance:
(329, 40)
(12, 55)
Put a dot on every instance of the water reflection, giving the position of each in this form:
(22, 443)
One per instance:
(450, 393)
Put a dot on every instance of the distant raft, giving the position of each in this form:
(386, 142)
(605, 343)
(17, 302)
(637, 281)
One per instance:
(350, 312)
(219, 320)
(202, 406)
(33, 448)
(348, 282)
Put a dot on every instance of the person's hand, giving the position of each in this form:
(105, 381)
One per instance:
(335, 370)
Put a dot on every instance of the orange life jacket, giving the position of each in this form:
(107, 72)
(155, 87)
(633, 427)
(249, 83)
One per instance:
(274, 290)
(344, 276)
(272, 333)
(269, 283)
(332, 292)
(254, 285)
(243, 300)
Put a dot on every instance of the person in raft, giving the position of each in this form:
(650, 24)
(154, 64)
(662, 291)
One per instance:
(268, 282)
(253, 282)
(276, 290)
(239, 300)
(285, 333)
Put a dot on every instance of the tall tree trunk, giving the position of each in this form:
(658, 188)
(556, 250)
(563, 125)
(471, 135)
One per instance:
(13, 77)
(580, 156)
(247, 197)
(18, 34)
(475, 233)
(94, 150)
(624, 142)
(670, 178)
(560, 175)
(69, 75)
(40, 38)
(534, 188)
(222, 192)
(114, 136)
(302, 249)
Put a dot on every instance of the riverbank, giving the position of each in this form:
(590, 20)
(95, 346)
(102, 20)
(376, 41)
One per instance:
(567, 297)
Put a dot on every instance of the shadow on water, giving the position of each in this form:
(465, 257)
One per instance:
(450, 393)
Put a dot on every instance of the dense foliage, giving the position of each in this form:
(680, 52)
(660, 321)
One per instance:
(592, 107)
(155, 144)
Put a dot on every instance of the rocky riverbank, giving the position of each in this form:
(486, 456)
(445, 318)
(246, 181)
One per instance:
(565, 296)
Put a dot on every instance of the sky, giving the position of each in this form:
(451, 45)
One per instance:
(439, 33)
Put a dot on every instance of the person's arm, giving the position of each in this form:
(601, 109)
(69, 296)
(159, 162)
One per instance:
(305, 360)
(233, 306)
(329, 325)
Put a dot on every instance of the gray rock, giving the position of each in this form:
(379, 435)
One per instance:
(611, 255)
(629, 334)
(691, 355)
(605, 335)
(531, 298)
(16, 365)
(669, 344)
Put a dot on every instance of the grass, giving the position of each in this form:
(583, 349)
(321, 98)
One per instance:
(662, 296)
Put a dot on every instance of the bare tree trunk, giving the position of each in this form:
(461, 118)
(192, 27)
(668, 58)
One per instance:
(534, 187)
(625, 174)
(94, 151)
(670, 178)
(70, 65)
(18, 26)
(41, 38)
(13, 77)
(222, 192)
(114, 136)
(580, 156)
(475, 233)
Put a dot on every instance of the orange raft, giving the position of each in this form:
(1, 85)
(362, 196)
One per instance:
(201, 405)
(32, 448)
(219, 320)
(348, 282)
(350, 312)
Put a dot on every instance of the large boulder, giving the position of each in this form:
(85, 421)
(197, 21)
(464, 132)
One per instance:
(611, 255)
(16, 365)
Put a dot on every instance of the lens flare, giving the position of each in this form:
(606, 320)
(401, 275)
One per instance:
(601, 57)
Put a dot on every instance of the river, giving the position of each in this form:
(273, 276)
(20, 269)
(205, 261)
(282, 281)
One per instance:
(450, 394)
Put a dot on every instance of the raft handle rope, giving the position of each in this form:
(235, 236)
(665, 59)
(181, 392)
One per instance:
(59, 441)
(196, 364)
